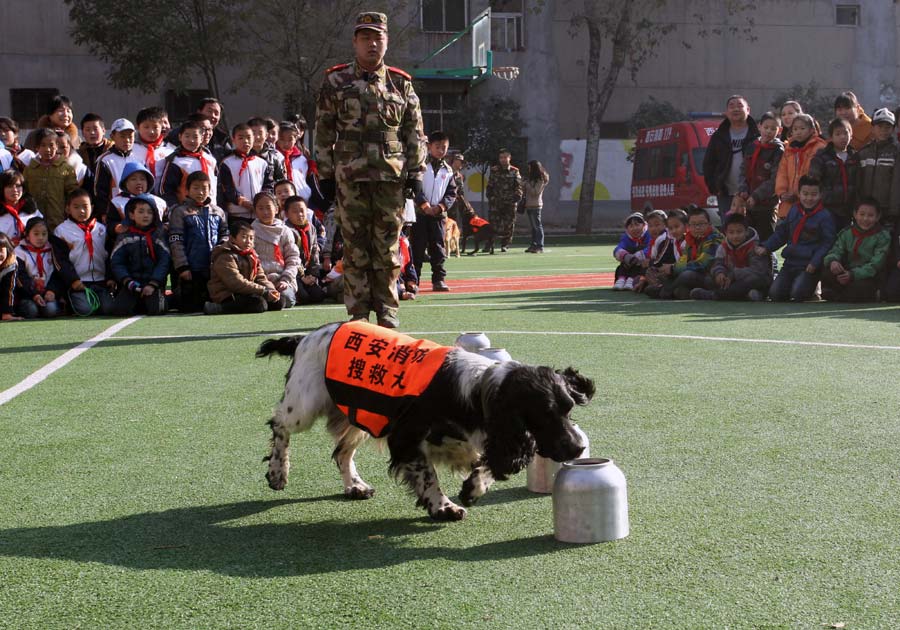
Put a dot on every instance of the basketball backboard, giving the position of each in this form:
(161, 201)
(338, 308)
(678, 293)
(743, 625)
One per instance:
(481, 59)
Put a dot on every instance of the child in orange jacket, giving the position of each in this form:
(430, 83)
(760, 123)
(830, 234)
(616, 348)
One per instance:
(804, 144)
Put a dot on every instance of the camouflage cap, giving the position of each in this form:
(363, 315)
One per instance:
(372, 20)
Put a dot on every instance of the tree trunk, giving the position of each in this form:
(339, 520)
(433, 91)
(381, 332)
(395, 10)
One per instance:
(598, 100)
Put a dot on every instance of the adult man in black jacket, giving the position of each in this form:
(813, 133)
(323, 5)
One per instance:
(722, 162)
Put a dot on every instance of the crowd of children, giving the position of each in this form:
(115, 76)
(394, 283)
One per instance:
(152, 219)
(830, 204)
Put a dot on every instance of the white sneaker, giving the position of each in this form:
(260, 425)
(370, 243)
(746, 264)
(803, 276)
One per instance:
(619, 285)
(629, 284)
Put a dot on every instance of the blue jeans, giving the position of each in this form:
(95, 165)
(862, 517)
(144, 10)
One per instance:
(78, 301)
(30, 310)
(537, 230)
(793, 283)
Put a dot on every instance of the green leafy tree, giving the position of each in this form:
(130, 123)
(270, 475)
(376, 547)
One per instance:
(290, 44)
(652, 113)
(486, 127)
(814, 101)
(633, 30)
(160, 42)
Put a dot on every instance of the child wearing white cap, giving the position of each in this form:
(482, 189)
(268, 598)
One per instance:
(111, 164)
(878, 176)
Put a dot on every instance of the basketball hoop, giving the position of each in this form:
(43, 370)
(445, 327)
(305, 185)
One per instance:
(508, 74)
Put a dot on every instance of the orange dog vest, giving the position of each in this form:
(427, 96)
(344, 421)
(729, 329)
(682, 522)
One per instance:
(374, 374)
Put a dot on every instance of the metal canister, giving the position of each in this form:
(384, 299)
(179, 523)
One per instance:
(473, 341)
(590, 502)
(495, 354)
(541, 472)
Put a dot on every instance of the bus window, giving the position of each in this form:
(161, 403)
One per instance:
(698, 155)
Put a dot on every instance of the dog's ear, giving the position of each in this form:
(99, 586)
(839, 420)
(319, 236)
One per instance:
(509, 447)
(580, 387)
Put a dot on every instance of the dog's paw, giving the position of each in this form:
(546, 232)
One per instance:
(449, 512)
(358, 493)
(277, 480)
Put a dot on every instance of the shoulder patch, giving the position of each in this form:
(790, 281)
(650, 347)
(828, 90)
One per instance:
(340, 66)
(402, 73)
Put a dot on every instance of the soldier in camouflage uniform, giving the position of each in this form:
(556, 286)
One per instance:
(504, 192)
(369, 147)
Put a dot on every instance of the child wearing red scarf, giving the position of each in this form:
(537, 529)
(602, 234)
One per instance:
(837, 168)
(756, 197)
(150, 146)
(309, 276)
(663, 252)
(16, 208)
(276, 247)
(738, 272)
(140, 261)
(807, 233)
(188, 158)
(85, 238)
(628, 252)
(242, 175)
(805, 143)
(237, 282)
(42, 285)
(701, 241)
(857, 258)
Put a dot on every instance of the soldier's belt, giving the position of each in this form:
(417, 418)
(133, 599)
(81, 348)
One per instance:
(369, 136)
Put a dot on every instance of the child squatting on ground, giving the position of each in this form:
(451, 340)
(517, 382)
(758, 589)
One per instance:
(237, 281)
(627, 252)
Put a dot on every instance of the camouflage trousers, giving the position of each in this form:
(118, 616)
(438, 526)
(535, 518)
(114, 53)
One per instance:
(370, 215)
(503, 218)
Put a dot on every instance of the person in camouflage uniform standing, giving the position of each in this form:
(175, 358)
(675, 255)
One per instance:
(504, 192)
(370, 146)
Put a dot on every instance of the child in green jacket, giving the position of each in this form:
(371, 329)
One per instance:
(857, 258)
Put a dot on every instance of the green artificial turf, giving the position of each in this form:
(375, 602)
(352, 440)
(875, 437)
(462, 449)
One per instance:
(763, 478)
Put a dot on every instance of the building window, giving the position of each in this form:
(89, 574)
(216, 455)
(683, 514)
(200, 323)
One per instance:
(181, 104)
(846, 15)
(444, 16)
(439, 112)
(507, 25)
(28, 105)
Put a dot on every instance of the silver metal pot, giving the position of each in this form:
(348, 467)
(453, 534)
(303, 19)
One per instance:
(590, 502)
(541, 472)
(473, 341)
(496, 354)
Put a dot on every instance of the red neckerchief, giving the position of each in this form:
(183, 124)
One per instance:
(751, 163)
(739, 255)
(87, 228)
(405, 256)
(694, 244)
(198, 155)
(288, 156)
(804, 215)
(279, 257)
(150, 162)
(304, 239)
(245, 160)
(313, 167)
(254, 258)
(679, 247)
(148, 236)
(14, 211)
(860, 236)
(806, 146)
(39, 255)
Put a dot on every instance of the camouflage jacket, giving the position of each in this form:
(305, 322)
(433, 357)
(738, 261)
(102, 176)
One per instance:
(368, 126)
(504, 186)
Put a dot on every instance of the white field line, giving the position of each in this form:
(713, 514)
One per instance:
(785, 342)
(63, 360)
(591, 270)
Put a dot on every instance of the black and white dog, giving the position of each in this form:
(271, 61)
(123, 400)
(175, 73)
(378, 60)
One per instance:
(479, 417)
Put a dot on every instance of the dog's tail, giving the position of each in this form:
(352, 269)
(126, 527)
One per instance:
(285, 346)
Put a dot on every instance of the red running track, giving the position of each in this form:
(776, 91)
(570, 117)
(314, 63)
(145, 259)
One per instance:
(526, 283)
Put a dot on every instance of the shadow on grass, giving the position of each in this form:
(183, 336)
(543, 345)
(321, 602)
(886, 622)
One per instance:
(206, 539)
(605, 301)
(151, 340)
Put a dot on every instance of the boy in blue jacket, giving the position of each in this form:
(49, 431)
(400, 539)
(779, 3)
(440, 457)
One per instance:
(140, 261)
(628, 252)
(196, 227)
(807, 233)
